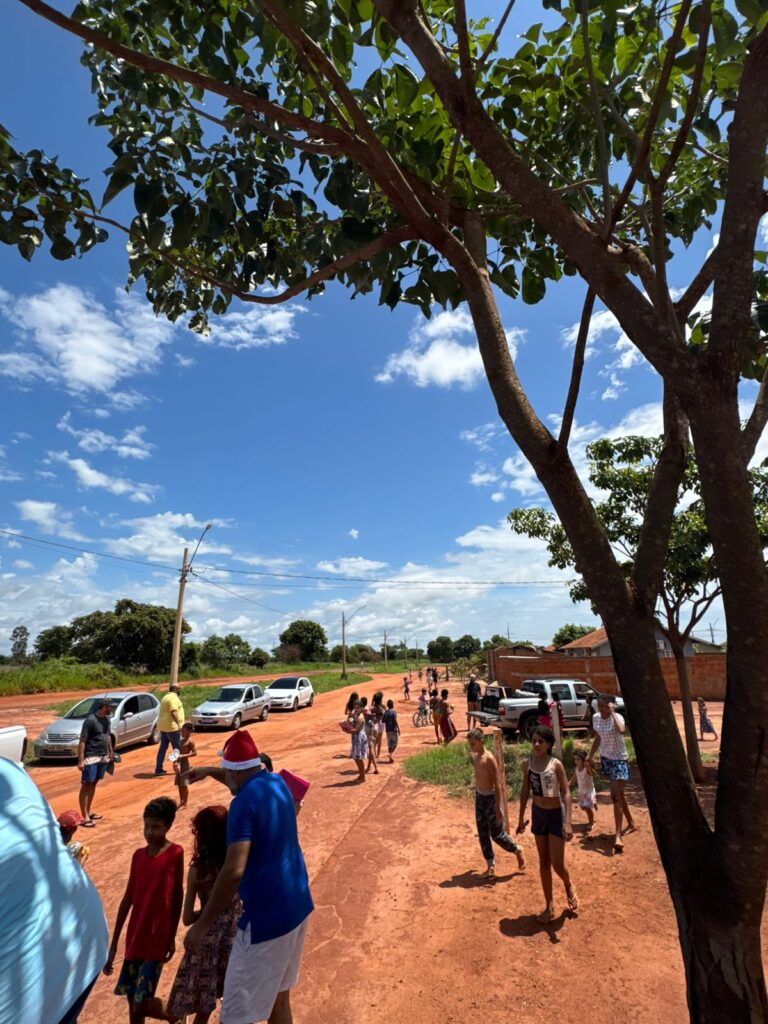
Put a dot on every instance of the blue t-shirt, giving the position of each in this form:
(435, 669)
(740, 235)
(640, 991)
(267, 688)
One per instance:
(274, 887)
(53, 940)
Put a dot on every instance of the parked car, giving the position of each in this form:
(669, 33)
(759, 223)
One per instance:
(232, 706)
(519, 713)
(13, 743)
(133, 720)
(291, 692)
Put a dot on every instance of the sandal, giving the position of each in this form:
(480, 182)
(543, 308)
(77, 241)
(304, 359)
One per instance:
(88, 824)
(618, 847)
(95, 817)
(573, 898)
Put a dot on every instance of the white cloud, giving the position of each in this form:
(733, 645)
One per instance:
(163, 537)
(614, 389)
(132, 445)
(256, 327)
(183, 361)
(482, 437)
(267, 561)
(48, 517)
(71, 339)
(90, 478)
(354, 534)
(497, 496)
(436, 354)
(483, 477)
(355, 566)
(22, 563)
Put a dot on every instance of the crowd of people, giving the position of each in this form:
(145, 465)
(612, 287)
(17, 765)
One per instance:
(245, 900)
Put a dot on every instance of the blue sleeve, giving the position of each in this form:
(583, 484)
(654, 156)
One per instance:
(240, 822)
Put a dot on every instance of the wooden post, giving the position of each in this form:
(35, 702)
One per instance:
(174, 677)
(558, 735)
(498, 750)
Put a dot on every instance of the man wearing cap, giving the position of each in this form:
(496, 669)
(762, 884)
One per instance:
(265, 865)
(169, 723)
(94, 753)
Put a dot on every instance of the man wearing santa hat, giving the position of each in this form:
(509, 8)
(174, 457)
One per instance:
(265, 865)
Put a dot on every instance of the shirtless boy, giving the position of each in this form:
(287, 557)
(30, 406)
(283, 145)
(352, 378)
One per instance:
(488, 804)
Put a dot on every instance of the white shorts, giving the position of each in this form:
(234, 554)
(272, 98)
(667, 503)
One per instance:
(257, 972)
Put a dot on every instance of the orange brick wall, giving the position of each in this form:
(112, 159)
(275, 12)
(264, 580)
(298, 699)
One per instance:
(705, 671)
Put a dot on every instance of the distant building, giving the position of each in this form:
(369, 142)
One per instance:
(596, 644)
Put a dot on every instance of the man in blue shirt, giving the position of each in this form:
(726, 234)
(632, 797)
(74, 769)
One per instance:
(265, 865)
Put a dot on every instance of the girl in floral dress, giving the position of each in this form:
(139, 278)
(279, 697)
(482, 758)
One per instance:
(200, 979)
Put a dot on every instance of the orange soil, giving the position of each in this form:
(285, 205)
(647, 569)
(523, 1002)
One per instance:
(403, 927)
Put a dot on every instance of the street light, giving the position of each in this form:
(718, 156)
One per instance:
(344, 621)
(185, 567)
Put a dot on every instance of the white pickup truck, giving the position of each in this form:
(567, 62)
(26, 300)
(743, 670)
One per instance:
(13, 743)
(519, 713)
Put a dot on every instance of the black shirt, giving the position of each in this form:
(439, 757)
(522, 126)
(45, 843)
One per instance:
(95, 735)
(473, 691)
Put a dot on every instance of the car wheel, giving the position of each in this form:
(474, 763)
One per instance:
(528, 727)
(154, 736)
(264, 713)
(237, 721)
(295, 704)
(311, 699)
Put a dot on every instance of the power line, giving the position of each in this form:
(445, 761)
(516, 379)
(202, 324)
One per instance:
(241, 597)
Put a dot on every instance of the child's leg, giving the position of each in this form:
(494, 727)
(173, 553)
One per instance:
(485, 812)
(618, 811)
(183, 795)
(557, 858)
(590, 816)
(545, 868)
(361, 770)
(504, 840)
(625, 806)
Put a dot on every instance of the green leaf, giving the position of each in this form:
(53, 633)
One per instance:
(726, 30)
(534, 287)
(117, 183)
(406, 85)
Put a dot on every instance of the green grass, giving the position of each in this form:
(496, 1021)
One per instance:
(451, 767)
(193, 695)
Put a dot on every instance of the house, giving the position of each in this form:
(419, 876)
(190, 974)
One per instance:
(596, 644)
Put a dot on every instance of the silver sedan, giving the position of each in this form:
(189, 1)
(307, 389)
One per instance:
(231, 706)
(133, 719)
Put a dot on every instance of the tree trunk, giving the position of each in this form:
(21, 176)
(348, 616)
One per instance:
(689, 721)
(722, 956)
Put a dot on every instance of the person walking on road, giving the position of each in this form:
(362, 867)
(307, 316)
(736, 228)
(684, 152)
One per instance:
(169, 723)
(489, 814)
(473, 699)
(614, 763)
(94, 754)
(264, 863)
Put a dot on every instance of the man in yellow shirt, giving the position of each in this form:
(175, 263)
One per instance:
(169, 723)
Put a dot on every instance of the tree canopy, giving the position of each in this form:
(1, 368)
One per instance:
(308, 636)
(570, 632)
(134, 635)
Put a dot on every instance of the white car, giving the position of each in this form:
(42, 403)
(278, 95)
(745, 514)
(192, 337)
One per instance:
(291, 693)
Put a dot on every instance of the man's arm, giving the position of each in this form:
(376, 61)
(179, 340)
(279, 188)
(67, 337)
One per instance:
(178, 713)
(80, 754)
(198, 774)
(222, 894)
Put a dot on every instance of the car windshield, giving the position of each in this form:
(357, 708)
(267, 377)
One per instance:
(228, 695)
(286, 683)
(86, 707)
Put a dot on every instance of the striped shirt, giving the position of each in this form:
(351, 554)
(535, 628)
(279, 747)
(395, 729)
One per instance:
(612, 743)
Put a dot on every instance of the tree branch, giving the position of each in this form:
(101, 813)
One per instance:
(597, 114)
(320, 148)
(662, 499)
(698, 286)
(462, 36)
(576, 370)
(495, 37)
(755, 425)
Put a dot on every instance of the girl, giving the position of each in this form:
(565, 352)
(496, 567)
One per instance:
(545, 780)
(359, 752)
(584, 778)
(370, 737)
(544, 717)
(353, 699)
(187, 749)
(705, 722)
(447, 728)
(434, 705)
(377, 720)
(609, 730)
(200, 977)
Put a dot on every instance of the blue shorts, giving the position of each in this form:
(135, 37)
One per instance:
(138, 979)
(615, 770)
(547, 821)
(93, 772)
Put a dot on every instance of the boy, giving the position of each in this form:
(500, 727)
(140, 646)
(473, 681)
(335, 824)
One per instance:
(68, 823)
(488, 804)
(187, 749)
(153, 896)
(444, 711)
(406, 687)
(393, 729)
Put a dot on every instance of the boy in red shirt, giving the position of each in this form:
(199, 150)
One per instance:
(153, 896)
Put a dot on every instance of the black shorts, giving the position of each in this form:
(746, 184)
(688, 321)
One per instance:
(547, 821)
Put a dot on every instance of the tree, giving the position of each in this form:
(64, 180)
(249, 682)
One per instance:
(440, 649)
(19, 642)
(258, 657)
(497, 640)
(55, 642)
(309, 637)
(237, 649)
(623, 470)
(213, 651)
(600, 147)
(189, 658)
(134, 635)
(466, 646)
(570, 632)
(336, 654)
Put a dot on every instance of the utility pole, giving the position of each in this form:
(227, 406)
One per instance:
(712, 633)
(186, 565)
(385, 651)
(343, 646)
(405, 645)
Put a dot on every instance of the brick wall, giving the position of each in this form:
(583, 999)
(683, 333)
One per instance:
(705, 671)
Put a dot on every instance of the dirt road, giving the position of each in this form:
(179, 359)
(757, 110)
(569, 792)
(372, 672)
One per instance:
(403, 928)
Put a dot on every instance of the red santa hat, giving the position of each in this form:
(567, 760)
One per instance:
(240, 752)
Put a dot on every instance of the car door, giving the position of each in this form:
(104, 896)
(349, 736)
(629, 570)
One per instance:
(582, 690)
(258, 701)
(128, 723)
(147, 716)
(305, 691)
(248, 705)
(564, 691)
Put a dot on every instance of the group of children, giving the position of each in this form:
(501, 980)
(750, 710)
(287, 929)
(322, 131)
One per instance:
(367, 726)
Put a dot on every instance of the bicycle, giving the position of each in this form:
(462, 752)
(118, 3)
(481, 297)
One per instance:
(423, 716)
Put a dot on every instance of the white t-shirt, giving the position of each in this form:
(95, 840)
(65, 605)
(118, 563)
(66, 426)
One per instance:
(612, 743)
(53, 940)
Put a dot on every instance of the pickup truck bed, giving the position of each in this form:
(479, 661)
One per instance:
(13, 743)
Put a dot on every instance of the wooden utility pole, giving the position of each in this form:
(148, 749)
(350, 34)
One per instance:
(385, 650)
(179, 619)
(343, 646)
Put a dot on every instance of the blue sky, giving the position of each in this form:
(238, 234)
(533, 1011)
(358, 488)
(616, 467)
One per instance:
(330, 438)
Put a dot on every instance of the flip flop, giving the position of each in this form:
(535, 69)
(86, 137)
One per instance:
(618, 847)
(95, 817)
(573, 899)
(88, 824)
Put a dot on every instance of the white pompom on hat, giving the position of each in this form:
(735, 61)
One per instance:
(240, 752)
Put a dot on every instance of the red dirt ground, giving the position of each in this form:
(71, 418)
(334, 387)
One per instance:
(403, 926)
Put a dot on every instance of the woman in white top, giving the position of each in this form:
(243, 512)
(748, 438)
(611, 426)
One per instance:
(614, 763)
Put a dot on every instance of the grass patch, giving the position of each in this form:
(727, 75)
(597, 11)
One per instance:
(193, 695)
